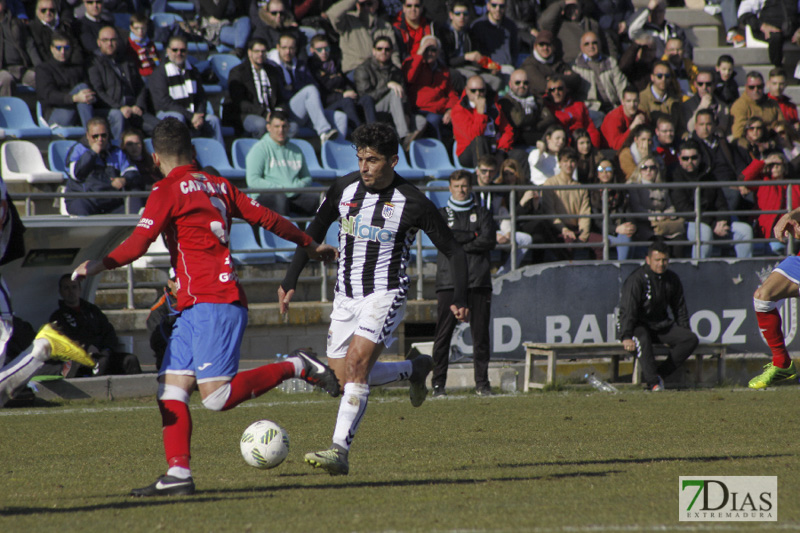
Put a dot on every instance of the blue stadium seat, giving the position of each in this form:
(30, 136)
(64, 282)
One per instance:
(456, 162)
(431, 156)
(181, 7)
(16, 120)
(67, 132)
(404, 169)
(243, 238)
(241, 147)
(339, 156)
(221, 65)
(439, 198)
(270, 241)
(210, 152)
(317, 172)
(57, 155)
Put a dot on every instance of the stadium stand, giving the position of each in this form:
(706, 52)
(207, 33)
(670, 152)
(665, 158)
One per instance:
(57, 155)
(16, 120)
(211, 153)
(316, 170)
(430, 155)
(22, 161)
(239, 151)
(339, 156)
(406, 170)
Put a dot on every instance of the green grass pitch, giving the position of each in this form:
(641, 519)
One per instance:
(570, 461)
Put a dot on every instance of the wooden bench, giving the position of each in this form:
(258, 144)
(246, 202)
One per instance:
(612, 350)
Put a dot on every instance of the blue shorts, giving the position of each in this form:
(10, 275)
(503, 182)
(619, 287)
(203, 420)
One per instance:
(790, 268)
(205, 342)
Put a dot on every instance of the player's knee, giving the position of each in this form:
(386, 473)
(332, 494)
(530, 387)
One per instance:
(172, 392)
(216, 400)
(761, 305)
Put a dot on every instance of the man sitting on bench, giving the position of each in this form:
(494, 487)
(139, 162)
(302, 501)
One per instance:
(647, 295)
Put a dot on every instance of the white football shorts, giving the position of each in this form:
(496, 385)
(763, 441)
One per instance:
(373, 317)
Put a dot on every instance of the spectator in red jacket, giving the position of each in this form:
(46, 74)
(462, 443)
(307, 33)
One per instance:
(411, 26)
(620, 121)
(479, 126)
(429, 85)
(776, 85)
(773, 197)
(572, 114)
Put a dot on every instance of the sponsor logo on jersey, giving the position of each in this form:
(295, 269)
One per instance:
(348, 204)
(352, 226)
(145, 223)
(195, 185)
(388, 210)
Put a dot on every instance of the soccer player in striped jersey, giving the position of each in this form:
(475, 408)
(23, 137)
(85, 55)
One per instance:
(380, 213)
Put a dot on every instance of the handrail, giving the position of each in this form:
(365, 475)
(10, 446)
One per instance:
(605, 217)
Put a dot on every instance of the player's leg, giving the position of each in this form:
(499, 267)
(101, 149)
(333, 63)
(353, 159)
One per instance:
(644, 352)
(445, 325)
(682, 342)
(782, 283)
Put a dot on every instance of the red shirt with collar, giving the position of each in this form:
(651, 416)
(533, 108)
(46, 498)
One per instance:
(788, 108)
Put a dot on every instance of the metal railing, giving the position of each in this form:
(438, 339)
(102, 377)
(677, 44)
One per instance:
(605, 218)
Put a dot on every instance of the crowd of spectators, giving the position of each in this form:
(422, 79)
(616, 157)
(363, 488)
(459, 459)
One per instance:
(587, 91)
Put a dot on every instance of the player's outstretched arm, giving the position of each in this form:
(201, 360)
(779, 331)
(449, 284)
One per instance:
(321, 252)
(788, 224)
(91, 267)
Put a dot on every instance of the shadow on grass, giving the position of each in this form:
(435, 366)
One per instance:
(646, 460)
(204, 496)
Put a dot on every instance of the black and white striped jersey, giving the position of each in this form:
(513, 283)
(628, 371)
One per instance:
(377, 230)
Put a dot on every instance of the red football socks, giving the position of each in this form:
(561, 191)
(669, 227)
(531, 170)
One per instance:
(253, 383)
(771, 327)
(176, 424)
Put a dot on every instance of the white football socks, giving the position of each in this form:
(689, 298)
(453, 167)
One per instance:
(351, 411)
(383, 373)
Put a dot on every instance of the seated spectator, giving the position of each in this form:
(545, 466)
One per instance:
(620, 230)
(619, 122)
(96, 165)
(683, 68)
(753, 103)
(569, 203)
(788, 141)
(460, 54)
(726, 88)
(161, 319)
(62, 89)
(177, 92)
(411, 26)
(495, 36)
(602, 81)
(773, 197)
(121, 93)
(657, 203)
(16, 65)
(41, 28)
(543, 64)
(638, 146)
(381, 89)
(141, 49)
(254, 87)
(713, 226)
(89, 25)
(225, 22)
(429, 87)
(531, 231)
(132, 144)
(757, 138)
(543, 160)
(588, 156)
(637, 61)
(704, 98)
(298, 88)
(86, 324)
(776, 85)
(774, 22)
(274, 163)
(567, 21)
(665, 146)
(572, 114)
(658, 99)
(270, 21)
(479, 125)
(358, 30)
(652, 20)
(337, 92)
(528, 117)
(487, 175)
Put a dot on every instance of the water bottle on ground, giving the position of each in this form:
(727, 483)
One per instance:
(599, 384)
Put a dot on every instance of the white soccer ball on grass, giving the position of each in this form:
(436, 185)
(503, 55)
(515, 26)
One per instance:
(264, 444)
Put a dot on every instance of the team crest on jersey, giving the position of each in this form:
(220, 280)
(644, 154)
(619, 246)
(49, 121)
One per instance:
(388, 210)
(200, 177)
(473, 217)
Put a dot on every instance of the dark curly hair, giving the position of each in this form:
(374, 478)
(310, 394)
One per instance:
(171, 137)
(379, 136)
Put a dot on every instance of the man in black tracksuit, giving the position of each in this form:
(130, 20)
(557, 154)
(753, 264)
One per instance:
(473, 228)
(647, 296)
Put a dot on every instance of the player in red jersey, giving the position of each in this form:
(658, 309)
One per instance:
(193, 210)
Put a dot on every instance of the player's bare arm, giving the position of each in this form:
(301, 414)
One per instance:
(91, 267)
(788, 223)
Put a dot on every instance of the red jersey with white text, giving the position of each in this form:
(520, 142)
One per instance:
(194, 211)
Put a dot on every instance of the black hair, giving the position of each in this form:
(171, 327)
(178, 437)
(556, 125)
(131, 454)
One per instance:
(658, 245)
(379, 136)
(171, 137)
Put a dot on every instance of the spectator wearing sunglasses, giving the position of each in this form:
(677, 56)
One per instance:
(495, 36)
(15, 64)
(62, 89)
(572, 114)
(358, 29)
(753, 103)
(567, 21)
(658, 97)
(41, 28)
(95, 18)
(270, 19)
(704, 98)
(602, 81)
(411, 26)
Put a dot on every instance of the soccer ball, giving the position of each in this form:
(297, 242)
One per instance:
(264, 444)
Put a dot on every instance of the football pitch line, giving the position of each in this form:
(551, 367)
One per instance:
(130, 409)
